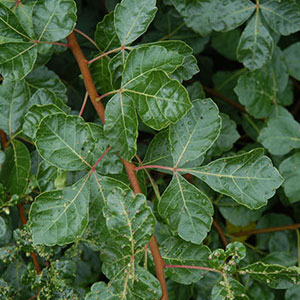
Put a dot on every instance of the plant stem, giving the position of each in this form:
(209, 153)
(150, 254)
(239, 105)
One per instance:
(83, 104)
(87, 78)
(224, 98)
(99, 159)
(220, 232)
(105, 54)
(270, 229)
(154, 167)
(87, 37)
(129, 166)
(3, 139)
(194, 267)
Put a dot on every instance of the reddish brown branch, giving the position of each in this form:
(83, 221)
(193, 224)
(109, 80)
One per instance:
(270, 229)
(129, 166)
(224, 98)
(87, 78)
(220, 232)
(3, 139)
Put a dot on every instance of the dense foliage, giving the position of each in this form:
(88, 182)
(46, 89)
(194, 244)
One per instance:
(151, 190)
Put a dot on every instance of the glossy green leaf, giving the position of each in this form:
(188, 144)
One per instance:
(159, 150)
(291, 55)
(53, 21)
(196, 14)
(46, 176)
(99, 290)
(231, 14)
(121, 125)
(47, 80)
(282, 16)
(14, 96)
(275, 276)
(16, 167)
(65, 141)
(281, 134)
(229, 288)
(237, 214)
(10, 26)
(228, 136)
(110, 163)
(249, 178)
(290, 171)
(116, 67)
(34, 116)
(59, 217)
(17, 59)
(256, 44)
(145, 59)
(160, 100)
(129, 220)
(175, 251)
(195, 133)
(105, 34)
(186, 209)
(132, 19)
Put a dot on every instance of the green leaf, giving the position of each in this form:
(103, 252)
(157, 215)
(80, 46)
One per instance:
(281, 134)
(196, 14)
(249, 178)
(116, 68)
(186, 209)
(160, 100)
(231, 14)
(121, 125)
(48, 81)
(132, 19)
(228, 136)
(290, 171)
(175, 251)
(237, 214)
(110, 163)
(129, 220)
(16, 168)
(291, 55)
(229, 288)
(282, 16)
(150, 58)
(10, 26)
(159, 150)
(14, 96)
(256, 44)
(275, 276)
(59, 217)
(195, 133)
(65, 141)
(46, 176)
(105, 34)
(53, 21)
(34, 116)
(17, 59)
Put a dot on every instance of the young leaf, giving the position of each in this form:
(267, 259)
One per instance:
(121, 125)
(229, 288)
(53, 21)
(145, 59)
(15, 169)
(256, 44)
(275, 276)
(14, 96)
(249, 178)
(195, 133)
(59, 217)
(186, 209)
(132, 19)
(160, 100)
(231, 14)
(175, 251)
(65, 141)
(282, 133)
(289, 168)
(282, 16)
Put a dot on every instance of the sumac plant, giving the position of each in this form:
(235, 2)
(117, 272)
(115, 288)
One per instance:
(120, 178)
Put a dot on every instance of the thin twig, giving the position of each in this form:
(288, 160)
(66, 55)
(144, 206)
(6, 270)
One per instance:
(270, 229)
(105, 54)
(87, 37)
(83, 104)
(220, 232)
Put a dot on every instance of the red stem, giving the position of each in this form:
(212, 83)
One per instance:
(193, 267)
(86, 36)
(155, 167)
(105, 54)
(83, 104)
(93, 169)
(3, 139)
(220, 232)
